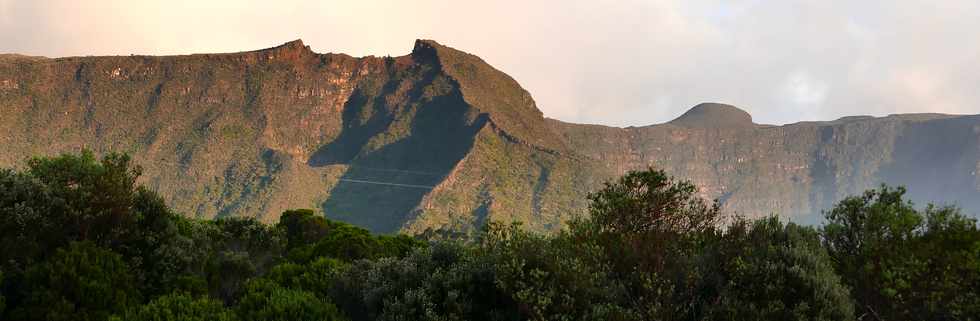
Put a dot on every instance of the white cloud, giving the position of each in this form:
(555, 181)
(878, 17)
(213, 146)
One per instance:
(801, 89)
(628, 62)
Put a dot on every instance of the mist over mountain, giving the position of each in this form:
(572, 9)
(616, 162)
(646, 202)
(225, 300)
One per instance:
(439, 139)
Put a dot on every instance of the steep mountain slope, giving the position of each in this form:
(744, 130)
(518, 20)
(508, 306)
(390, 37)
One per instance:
(437, 139)
(253, 133)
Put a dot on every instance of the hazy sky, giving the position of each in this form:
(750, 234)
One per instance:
(620, 62)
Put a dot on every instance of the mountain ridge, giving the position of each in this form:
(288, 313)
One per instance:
(256, 132)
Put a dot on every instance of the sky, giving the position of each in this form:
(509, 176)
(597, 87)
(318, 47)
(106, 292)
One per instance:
(620, 63)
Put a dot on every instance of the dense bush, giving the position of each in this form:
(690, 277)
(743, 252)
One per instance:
(79, 240)
(773, 271)
(268, 301)
(80, 282)
(902, 263)
(554, 278)
(179, 307)
(309, 236)
(444, 282)
(3, 300)
(652, 231)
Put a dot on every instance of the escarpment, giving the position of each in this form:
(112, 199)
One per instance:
(438, 139)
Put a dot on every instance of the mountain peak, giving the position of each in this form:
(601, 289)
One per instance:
(425, 50)
(422, 43)
(296, 44)
(493, 92)
(714, 115)
(294, 50)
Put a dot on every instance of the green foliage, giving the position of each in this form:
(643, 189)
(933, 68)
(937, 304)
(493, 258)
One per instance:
(443, 282)
(652, 231)
(318, 277)
(80, 241)
(64, 199)
(663, 246)
(244, 248)
(267, 301)
(165, 257)
(99, 195)
(348, 243)
(650, 201)
(309, 236)
(29, 212)
(179, 307)
(302, 227)
(236, 132)
(644, 218)
(554, 278)
(947, 287)
(3, 300)
(902, 263)
(82, 282)
(773, 271)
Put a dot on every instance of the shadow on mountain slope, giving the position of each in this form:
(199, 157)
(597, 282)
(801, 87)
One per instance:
(385, 181)
(357, 130)
(936, 160)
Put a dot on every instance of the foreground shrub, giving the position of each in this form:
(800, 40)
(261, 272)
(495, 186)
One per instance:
(553, 277)
(652, 231)
(267, 301)
(179, 307)
(81, 282)
(443, 282)
(902, 263)
(771, 271)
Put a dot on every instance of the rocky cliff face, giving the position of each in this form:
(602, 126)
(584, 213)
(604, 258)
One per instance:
(376, 141)
(437, 139)
(797, 170)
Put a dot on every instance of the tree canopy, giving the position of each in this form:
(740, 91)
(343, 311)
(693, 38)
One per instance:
(81, 240)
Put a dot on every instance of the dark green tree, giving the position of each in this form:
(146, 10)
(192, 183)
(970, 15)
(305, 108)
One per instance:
(77, 198)
(317, 277)
(443, 282)
(179, 307)
(652, 229)
(166, 251)
(81, 282)
(771, 271)
(309, 236)
(349, 243)
(99, 195)
(31, 217)
(243, 248)
(869, 238)
(302, 227)
(265, 300)
(902, 263)
(553, 277)
(643, 202)
(3, 300)
(948, 286)
(64, 199)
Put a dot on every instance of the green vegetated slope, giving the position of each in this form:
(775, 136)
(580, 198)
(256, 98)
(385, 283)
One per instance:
(254, 133)
(503, 180)
(438, 140)
(218, 134)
